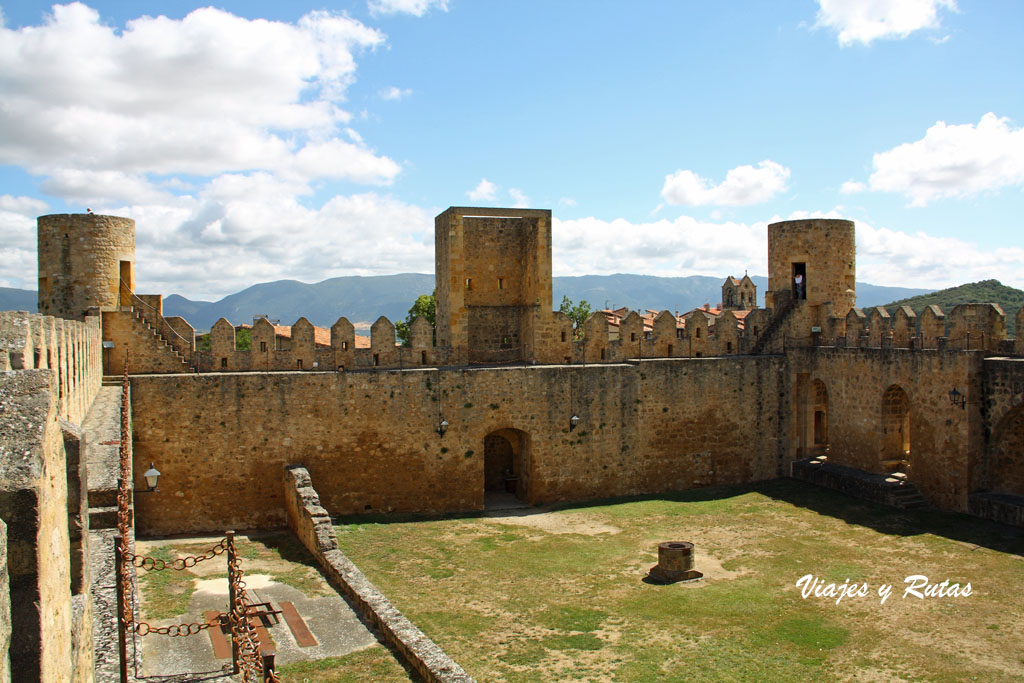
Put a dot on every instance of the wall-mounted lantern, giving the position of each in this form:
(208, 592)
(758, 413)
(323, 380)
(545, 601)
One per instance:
(152, 477)
(443, 427)
(573, 421)
(958, 399)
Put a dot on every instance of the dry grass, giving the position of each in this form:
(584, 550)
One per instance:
(559, 596)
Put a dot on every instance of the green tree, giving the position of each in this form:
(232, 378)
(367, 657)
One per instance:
(578, 314)
(425, 305)
(243, 339)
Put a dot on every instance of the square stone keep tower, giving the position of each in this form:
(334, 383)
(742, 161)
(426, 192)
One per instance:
(493, 273)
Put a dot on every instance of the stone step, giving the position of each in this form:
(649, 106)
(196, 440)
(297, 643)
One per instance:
(104, 517)
(100, 498)
(908, 497)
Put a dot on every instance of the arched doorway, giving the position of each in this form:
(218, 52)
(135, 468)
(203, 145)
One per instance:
(819, 410)
(895, 430)
(506, 463)
(1006, 458)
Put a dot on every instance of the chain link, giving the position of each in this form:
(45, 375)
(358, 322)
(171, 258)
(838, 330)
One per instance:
(174, 630)
(181, 563)
(243, 634)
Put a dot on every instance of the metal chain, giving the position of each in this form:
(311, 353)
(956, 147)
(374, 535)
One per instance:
(243, 633)
(124, 506)
(181, 563)
(174, 630)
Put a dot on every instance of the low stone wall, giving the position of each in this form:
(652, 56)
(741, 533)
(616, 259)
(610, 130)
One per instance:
(999, 507)
(852, 482)
(5, 609)
(312, 524)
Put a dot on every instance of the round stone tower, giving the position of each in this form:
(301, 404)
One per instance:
(83, 258)
(823, 253)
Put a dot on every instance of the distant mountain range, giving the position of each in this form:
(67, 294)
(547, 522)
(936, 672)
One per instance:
(364, 299)
(984, 292)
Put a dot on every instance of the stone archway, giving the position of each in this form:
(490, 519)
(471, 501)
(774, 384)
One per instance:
(1006, 455)
(506, 463)
(895, 455)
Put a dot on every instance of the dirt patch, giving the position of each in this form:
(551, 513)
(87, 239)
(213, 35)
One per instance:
(220, 586)
(560, 523)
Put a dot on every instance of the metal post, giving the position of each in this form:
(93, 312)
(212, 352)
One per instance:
(121, 624)
(232, 617)
(268, 667)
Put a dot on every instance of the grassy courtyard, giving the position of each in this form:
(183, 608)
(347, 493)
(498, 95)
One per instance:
(559, 595)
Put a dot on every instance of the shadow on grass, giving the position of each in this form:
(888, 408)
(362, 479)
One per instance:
(881, 518)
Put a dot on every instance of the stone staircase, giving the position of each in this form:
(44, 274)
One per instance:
(888, 489)
(906, 497)
(781, 314)
(168, 357)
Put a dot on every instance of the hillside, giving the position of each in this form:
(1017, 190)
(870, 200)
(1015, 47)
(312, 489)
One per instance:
(12, 299)
(986, 291)
(364, 299)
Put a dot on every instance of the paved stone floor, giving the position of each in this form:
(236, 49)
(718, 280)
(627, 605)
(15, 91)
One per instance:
(333, 623)
(103, 430)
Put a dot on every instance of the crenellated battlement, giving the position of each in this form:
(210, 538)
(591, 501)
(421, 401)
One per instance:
(70, 348)
(493, 270)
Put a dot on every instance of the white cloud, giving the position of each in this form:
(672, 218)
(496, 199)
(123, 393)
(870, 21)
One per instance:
(863, 21)
(953, 161)
(393, 93)
(244, 229)
(207, 94)
(94, 187)
(852, 187)
(345, 161)
(26, 206)
(484, 191)
(689, 246)
(566, 202)
(897, 258)
(892, 257)
(680, 247)
(18, 240)
(415, 7)
(742, 185)
(519, 200)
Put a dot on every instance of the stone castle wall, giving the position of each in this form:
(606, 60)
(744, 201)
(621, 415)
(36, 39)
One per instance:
(80, 257)
(370, 439)
(493, 269)
(72, 349)
(945, 441)
(48, 632)
(50, 373)
(828, 250)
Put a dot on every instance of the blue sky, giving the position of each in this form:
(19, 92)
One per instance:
(259, 141)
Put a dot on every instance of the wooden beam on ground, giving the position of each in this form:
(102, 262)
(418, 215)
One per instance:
(299, 629)
(221, 642)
